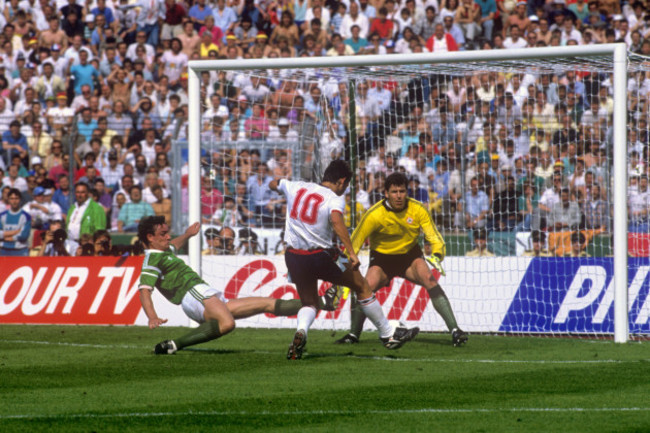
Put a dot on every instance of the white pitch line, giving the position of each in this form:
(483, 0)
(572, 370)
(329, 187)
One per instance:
(368, 357)
(59, 343)
(328, 412)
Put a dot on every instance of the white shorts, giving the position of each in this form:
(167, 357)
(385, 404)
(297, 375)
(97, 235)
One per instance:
(192, 302)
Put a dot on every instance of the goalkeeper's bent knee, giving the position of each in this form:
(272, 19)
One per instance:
(436, 292)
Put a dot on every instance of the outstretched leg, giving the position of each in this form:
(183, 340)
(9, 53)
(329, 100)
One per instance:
(218, 321)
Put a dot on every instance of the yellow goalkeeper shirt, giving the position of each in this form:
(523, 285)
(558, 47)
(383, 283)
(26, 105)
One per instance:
(393, 232)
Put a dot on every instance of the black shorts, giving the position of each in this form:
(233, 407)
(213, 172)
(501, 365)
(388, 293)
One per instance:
(307, 267)
(395, 265)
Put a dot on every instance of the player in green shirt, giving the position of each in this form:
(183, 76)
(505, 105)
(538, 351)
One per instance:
(176, 281)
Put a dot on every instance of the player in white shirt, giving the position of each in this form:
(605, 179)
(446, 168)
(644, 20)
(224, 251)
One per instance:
(314, 215)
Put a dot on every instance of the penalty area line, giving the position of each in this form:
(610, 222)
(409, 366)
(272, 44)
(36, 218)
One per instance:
(330, 412)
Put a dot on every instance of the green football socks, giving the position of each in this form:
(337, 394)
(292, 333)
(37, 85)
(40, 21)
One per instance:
(287, 307)
(204, 332)
(442, 306)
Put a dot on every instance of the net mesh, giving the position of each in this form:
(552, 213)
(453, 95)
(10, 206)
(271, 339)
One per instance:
(512, 158)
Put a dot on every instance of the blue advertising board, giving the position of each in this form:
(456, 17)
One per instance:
(576, 295)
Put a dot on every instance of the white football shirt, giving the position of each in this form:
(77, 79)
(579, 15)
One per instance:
(309, 207)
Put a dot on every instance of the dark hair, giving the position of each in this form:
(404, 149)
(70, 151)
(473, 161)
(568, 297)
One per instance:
(578, 237)
(480, 234)
(15, 191)
(99, 233)
(87, 250)
(148, 226)
(337, 169)
(538, 236)
(84, 184)
(397, 179)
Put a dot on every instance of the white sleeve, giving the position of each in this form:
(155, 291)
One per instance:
(337, 204)
(282, 187)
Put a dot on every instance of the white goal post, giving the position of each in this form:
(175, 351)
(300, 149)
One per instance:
(616, 52)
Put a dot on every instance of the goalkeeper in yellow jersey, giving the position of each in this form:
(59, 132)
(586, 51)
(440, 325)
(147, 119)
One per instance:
(393, 226)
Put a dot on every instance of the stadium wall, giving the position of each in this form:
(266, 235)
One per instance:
(502, 294)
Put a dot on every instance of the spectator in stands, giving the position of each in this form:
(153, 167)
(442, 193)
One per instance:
(505, 208)
(213, 242)
(515, 40)
(551, 196)
(62, 193)
(4, 196)
(539, 249)
(85, 216)
(528, 205)
(41, 209)
(132, 212)
(226, 245)
(477, 206)
(84, 73)
(13, 180)
(150, 181)
(248, 243)
(103, 243)
(354, 18)
(480, 240)
(468, 15)
(211, 199)
(103, 197)
(639, 206)
(455, 31)
(488, 14)
(14, 143)
(257, 126)
(56, 243)
(15, 227)
(565, 215)
(162, 205)
(228, 215)
(596, 210)
(578, 244)
(441, 41)
(416, 192)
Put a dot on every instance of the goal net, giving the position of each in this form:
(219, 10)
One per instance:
(514, 156)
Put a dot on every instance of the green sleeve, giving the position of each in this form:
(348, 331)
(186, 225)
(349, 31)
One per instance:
(99, 217)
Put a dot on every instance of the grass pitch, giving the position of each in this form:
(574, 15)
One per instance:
(106, 379)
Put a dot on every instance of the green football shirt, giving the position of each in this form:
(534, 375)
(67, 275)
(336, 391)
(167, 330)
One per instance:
(168, 273)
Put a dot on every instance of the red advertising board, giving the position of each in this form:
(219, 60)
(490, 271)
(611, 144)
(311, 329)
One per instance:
(69, 290)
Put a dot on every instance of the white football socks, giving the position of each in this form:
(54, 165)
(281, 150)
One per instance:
(373, 311)
(306, 316)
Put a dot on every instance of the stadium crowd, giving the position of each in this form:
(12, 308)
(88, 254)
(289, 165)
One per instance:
(94, 94)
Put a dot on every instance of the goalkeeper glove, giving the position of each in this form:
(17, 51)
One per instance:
(435, 263)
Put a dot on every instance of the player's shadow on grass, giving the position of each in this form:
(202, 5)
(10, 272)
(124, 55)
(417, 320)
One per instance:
(435, 339)
(307, 355)
(216, 351)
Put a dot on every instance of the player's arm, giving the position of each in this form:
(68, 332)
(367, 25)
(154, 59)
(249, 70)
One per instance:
(192, 230)
(365, 228)
(432, 235)
(147, 306)
(275, 185)
(339, 227)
